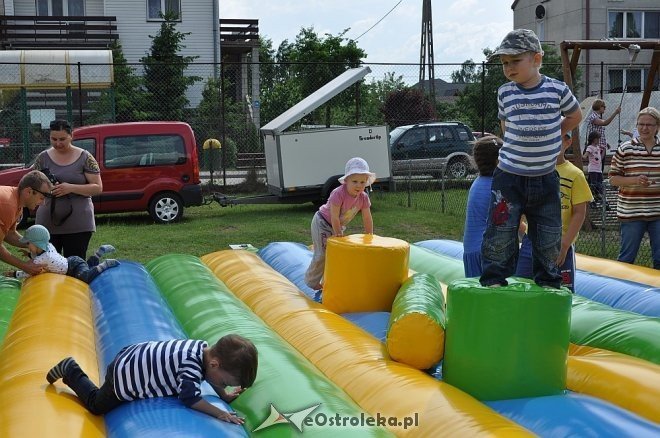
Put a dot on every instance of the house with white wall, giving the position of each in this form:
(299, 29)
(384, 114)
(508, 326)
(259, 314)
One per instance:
(555, 21)
(94, 24)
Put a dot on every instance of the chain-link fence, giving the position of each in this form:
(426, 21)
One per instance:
(431, 161)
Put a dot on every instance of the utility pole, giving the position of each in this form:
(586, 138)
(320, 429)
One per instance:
(426, 48)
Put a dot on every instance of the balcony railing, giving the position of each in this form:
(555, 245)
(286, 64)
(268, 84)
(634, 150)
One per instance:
(37, 32)
(238, 32)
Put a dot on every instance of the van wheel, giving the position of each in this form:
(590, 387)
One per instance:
(166, 208)
(457, 168)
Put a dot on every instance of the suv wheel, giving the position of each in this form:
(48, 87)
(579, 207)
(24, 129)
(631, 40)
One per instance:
(457, 168)
(166, 208)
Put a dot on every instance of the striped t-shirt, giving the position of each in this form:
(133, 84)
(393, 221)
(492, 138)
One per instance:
(636, 202)
(158, 369)
(532, 117)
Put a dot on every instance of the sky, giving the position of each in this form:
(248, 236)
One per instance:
(461, 28)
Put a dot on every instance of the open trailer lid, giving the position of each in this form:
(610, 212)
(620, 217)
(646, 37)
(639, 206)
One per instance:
(315, 100)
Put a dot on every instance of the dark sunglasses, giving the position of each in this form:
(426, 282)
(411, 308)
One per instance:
(45, 194)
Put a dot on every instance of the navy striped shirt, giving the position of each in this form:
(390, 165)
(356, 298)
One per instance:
(532, 117)
(159, 369)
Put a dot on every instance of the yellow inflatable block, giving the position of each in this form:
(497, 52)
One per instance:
(52, 320)
(354, 359)
(623, 380)
(363, 272)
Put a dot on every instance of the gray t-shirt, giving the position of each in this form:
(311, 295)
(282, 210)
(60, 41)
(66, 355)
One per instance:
(72, 213)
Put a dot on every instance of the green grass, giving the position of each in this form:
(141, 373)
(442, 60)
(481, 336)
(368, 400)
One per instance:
(212, 228)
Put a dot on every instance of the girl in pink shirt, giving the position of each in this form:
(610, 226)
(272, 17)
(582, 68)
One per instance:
(595, 153)
(343, 205)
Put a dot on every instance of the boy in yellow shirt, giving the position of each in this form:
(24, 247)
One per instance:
(575, 194)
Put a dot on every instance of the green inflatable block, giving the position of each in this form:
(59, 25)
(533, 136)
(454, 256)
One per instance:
(507, 342)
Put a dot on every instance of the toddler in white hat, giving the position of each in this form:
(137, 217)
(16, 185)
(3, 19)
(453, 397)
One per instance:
(342, 206)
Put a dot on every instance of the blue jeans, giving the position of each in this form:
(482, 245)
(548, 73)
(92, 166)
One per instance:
(631, 237)
(98, 401)
(538, 199)
(83, 270)
(567, 270)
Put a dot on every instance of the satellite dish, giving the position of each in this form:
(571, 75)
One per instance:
(540, 12)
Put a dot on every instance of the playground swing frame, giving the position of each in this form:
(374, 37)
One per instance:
(570, 63)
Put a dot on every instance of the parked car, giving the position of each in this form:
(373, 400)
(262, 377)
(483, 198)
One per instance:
(479, 134)
(145, 166)
(431, 148)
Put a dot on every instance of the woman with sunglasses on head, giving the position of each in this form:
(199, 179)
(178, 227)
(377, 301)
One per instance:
(69, 213)
(635, 169)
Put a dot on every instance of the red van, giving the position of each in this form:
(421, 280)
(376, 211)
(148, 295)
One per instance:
(145, 166)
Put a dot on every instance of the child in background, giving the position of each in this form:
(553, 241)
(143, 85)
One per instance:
(167, 368)
(595, 153)
(485, 153)
(343, 204)
(575, 194)
(42, 252)
(525, 181)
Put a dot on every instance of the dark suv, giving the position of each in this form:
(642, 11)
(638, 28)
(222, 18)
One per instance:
(430, 148)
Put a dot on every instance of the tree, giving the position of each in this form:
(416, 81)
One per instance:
(477, 103)
(240, 133)
(125, 99)
(279, 91)
(374, 94)
(467, 74)
(164, 73)
(407, 107)
(303, 67)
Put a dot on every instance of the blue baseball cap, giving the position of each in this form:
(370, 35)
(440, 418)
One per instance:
(37, 235)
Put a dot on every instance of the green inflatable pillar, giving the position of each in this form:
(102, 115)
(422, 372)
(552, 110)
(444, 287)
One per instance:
(507, 342)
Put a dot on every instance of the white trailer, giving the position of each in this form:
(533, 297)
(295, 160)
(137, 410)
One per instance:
(304, 166)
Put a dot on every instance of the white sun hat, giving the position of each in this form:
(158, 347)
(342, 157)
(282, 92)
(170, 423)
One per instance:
(357, 165)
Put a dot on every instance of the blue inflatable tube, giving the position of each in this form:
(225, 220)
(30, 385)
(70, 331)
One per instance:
(620, 294)
(292, 259)
(128, 308)
(582, 416)
(565, 415)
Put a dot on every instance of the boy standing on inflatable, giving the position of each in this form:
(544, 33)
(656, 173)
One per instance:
(525, 181)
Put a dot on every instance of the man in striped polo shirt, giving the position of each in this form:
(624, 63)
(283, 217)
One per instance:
(525, 182)
(635, 169)
(167, 368)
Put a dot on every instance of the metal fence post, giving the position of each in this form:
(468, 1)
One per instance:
(442, 188)
(483, 99)
(223, 116)
(80, 108)
(26, 126)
